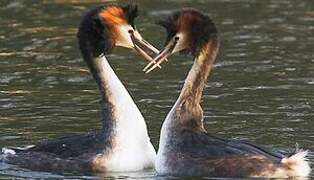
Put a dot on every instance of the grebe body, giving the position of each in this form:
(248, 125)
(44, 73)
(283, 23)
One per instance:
(123, 143)
(185, 148)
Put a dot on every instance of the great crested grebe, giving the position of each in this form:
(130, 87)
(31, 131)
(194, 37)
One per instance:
(123, 143)
(185, 148)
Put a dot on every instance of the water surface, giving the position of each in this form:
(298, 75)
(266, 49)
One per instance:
(260, 90)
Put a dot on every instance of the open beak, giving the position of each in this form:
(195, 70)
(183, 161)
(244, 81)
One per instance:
(162, 56)
(137, 39)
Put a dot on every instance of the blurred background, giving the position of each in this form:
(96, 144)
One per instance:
(261, 88)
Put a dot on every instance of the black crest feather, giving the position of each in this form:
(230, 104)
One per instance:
(199, 28)
(170, 24)
(131, 12)
(93, 34)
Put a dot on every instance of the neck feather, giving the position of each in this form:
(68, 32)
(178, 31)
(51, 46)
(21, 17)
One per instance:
(93, 62)
(117, 104)
(188, 110)
(123, 124)
(121, 118)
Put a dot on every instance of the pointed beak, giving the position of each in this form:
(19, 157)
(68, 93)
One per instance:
(162, 56)
(137, 39)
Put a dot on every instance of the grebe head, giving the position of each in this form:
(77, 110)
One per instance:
(189, 31)
(105, 27)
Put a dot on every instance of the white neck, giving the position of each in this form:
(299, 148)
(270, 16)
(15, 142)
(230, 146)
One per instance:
(130, 131)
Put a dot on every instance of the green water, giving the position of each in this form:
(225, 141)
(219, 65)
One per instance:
(260, 90)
